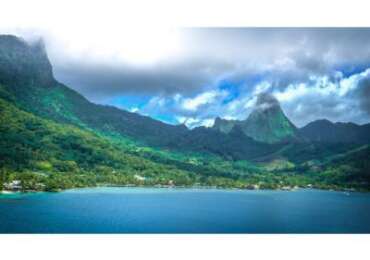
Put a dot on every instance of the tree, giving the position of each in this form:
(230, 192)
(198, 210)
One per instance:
(3, 178)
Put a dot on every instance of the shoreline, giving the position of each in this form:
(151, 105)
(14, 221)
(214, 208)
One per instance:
(7, 192)
(283, 188)
(10, 192)
(347, 191)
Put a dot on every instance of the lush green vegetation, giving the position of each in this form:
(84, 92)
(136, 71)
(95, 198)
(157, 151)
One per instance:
(45, 155)
(37, 150)
(53, 138)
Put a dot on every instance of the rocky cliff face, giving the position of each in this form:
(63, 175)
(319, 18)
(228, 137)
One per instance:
(23, 63)
(26, 74)
(223, 125)
(266, 123)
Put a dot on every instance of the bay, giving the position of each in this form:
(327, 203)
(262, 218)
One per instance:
(156, 210)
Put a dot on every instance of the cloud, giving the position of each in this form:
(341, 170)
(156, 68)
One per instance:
(100, 82)
(199, 74)
(337, 98)
(195, 122)
(363, 93)
(103, 63)
(265, 101)
(202, 99)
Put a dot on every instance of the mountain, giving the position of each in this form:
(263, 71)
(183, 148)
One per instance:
(35, 90)
(234, 146)
(325, 131)
(64, 156)
(26, 72)
(19, 58)
(267, 122)
(51, 138)
(223, 125)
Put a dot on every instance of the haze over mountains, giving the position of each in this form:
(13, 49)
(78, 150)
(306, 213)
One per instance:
(28, 86)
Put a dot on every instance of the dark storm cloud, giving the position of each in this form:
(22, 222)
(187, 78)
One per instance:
(304, 44)
(281, 55)
(101, 81)
(363, 94)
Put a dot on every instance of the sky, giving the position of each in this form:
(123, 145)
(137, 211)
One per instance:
(192, 75)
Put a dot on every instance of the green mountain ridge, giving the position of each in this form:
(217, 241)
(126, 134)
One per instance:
(326, 131)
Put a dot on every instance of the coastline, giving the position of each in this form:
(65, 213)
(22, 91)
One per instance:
(4, 192)
(7, 193)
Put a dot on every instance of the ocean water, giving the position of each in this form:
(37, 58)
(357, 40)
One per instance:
(149, 210)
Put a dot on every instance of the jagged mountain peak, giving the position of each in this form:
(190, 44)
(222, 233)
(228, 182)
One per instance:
(266, 123)
(224, 125)
(24, 63)
(12, 43)
(266, 101)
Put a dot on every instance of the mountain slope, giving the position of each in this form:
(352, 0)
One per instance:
(235, 145)
(223, 125)
(26, 73)
(20, 58)
(267, 122)
(351, 168)
(326, 131)
(47, 98)
(33, 145)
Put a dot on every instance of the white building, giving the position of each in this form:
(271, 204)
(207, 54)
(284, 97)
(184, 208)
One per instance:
(14, 185)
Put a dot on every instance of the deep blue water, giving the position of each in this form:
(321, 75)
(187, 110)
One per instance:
(143, 210)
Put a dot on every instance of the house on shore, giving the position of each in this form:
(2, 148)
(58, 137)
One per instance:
(14, 185)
